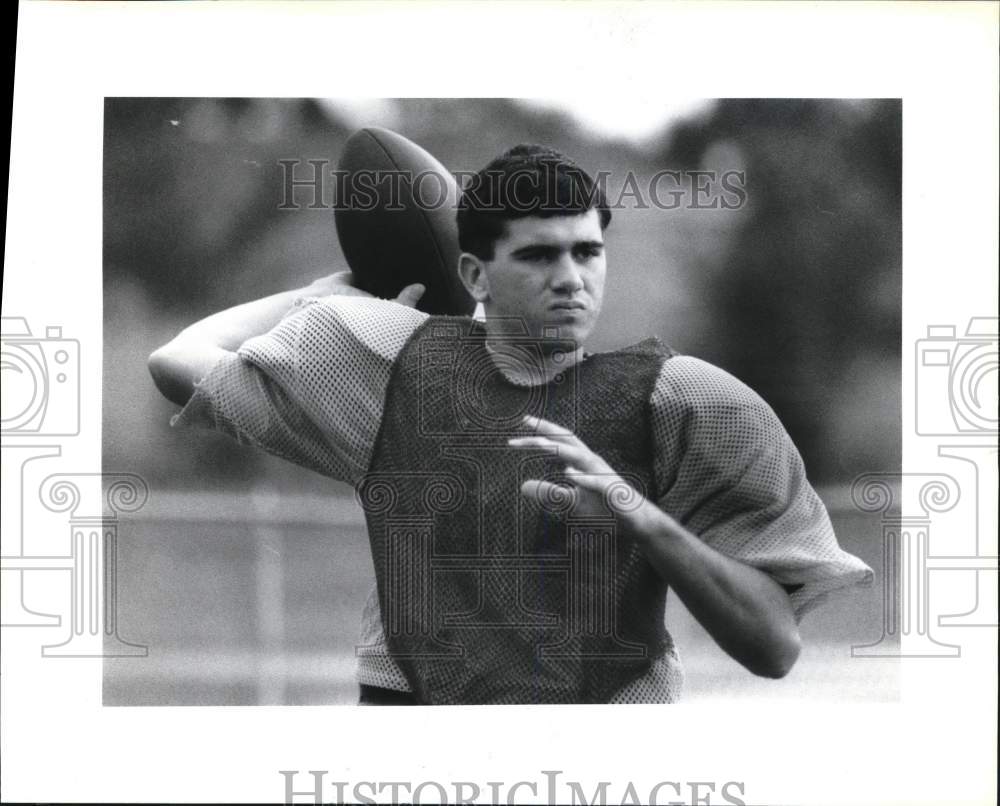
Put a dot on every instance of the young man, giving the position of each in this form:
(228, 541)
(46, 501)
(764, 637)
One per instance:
(528, 504)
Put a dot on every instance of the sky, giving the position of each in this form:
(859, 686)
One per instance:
(631, 116)
(628, 115)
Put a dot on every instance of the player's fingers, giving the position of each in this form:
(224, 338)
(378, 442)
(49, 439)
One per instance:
(339, 283)
(549, 429)
(557, 497)
(617, 494)
(533, 442)
(573, 452)
(411, 295)
(596, 482)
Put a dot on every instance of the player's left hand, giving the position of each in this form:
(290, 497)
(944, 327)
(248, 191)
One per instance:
(598, 491)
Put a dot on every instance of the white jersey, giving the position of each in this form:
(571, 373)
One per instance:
(313, 389)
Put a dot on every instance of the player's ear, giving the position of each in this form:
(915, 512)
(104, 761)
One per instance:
(473, 274)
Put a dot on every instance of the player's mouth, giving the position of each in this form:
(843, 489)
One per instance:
(568, 305)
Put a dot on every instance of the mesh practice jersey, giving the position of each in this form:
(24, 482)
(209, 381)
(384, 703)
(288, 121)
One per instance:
(312, 391)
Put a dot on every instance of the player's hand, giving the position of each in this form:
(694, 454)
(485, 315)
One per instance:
(341, 283)
(597, 490)
(411, 295)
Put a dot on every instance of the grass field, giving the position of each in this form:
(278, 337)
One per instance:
(256, 599)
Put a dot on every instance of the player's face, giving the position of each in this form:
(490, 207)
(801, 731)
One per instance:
(550, 273)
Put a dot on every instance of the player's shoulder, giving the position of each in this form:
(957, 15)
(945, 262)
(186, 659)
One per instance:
(693, 387)
(650, 347)
(381, 326)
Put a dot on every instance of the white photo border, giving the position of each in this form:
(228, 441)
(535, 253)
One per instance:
(937, 745)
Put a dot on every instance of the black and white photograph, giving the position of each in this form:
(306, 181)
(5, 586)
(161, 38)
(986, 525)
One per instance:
(349, 505)
(617, 382)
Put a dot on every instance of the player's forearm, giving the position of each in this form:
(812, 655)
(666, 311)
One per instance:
(228, 329)
(178, 365)
(747, 613)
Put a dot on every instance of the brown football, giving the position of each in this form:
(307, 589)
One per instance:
(395, 218)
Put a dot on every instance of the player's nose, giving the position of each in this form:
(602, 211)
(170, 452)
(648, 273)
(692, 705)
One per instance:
(566, 276)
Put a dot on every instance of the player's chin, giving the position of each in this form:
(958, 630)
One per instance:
(571, 323)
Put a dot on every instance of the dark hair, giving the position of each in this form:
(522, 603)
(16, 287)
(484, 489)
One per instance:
(527, 180)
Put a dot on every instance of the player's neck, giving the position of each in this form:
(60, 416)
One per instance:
(527, 360)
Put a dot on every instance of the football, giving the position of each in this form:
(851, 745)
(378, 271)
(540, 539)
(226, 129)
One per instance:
(395, 219)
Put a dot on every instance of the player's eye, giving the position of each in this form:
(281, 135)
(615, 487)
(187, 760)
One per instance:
(588, 251)
(537, 255)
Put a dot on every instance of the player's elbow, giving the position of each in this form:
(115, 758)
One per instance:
(780, 656)
(173, 371)
(163, 368)
(179, 365)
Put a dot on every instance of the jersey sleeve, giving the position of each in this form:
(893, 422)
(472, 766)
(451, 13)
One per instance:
(312, 390)
(728, 471)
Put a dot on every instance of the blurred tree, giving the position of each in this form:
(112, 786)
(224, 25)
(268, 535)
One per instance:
(806, 278)
(192, 190)
(809, 287)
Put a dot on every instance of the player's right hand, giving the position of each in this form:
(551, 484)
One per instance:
(411, 295)
(341, 283)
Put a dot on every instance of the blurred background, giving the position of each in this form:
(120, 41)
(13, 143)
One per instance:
(246, 575)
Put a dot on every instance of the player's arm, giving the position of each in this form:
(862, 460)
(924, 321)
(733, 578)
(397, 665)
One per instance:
(747, 613)
(178, 365)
